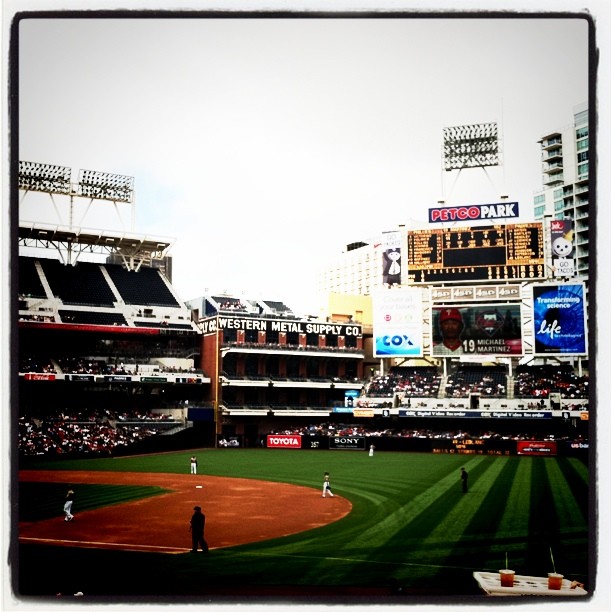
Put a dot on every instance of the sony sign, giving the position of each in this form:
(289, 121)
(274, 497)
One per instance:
(346, 442)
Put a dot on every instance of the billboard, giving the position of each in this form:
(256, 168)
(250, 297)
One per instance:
(562, 245)
(284, 441)
(535, 447)
(392, 259)
(474, 212)
(486, 329)
(398, 322)
(491, 253)
(559, 319)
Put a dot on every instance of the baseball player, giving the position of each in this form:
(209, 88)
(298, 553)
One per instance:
(194, 464)
(68, 505)
(326, 485)
(451, 325)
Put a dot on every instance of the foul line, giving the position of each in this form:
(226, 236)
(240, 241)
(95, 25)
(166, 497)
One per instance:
(354, 560)
(103, 544)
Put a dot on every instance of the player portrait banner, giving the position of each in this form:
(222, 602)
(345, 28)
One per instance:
(392, 259)
(486, 329)
(562, 244)
(398, 322)
(559, 319)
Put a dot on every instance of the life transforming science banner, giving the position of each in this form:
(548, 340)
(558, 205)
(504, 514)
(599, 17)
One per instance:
(398, 322)
(559, 319)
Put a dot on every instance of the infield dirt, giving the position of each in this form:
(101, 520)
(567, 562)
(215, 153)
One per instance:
(238, 511)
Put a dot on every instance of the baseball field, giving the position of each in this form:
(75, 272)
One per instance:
(398, 525)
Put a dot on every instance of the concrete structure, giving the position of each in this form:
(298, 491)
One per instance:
(565, 181)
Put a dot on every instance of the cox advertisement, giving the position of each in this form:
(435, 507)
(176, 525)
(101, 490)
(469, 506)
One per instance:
(489, 329)
(398, 322)
(559, 320)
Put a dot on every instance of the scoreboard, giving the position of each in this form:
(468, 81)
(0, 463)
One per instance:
(477, 253)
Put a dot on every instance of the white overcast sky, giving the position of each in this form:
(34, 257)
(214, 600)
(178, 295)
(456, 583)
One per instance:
(264, 146)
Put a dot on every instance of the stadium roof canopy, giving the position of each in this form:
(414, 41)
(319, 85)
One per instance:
(133, 249)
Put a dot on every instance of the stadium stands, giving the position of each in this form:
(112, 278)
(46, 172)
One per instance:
(83, 283)
(144, 287)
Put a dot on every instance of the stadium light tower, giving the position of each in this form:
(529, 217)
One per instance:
(44, 177)
(106, 186)
(56, 180)
(470, 146)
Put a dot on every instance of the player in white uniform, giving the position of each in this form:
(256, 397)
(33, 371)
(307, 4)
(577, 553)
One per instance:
(326, 485)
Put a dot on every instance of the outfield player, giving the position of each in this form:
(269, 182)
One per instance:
(194, 464)
(464, 479)
(68, 505)
(326, 485)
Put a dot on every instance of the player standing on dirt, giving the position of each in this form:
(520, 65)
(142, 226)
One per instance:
(326, 485)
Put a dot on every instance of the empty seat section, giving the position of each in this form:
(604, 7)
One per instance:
(83, 283)
(145, 287)
(30, 284)
(92, 318)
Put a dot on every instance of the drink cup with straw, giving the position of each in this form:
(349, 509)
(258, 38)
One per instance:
(506, 575)
(555, 580)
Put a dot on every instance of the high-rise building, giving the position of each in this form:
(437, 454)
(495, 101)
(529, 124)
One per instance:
(565, 181)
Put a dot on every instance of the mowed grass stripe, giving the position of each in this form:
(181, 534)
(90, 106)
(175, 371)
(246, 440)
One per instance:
(514, 522)
(44, 500)
(566, 500)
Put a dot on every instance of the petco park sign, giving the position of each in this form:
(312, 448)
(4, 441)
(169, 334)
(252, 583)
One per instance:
(284, 441)
(476, 212)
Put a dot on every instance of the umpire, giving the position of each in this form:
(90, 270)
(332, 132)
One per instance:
(196, 526)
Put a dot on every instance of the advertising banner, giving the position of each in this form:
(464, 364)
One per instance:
(474, 212)
(346, 443)
(398, 322)
(533, 447)
(350, 398)
(39, 376)
(487, 329)
(284, 441)
(392, 258)
(559, 319)
(479, 414)
(562, 244)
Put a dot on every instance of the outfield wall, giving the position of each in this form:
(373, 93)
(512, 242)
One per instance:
(489, 446)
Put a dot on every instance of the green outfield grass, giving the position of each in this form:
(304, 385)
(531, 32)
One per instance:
(411, 526)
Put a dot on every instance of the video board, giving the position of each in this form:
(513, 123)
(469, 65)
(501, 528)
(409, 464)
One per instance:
(476, 253)
(486, 329)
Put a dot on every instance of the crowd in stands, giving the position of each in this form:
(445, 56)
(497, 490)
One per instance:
(422, 382)
(491, 381)
(93, 431)
(483, 381)
(98, 367)
(331, 429)
(232, 304)
(541, 381)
